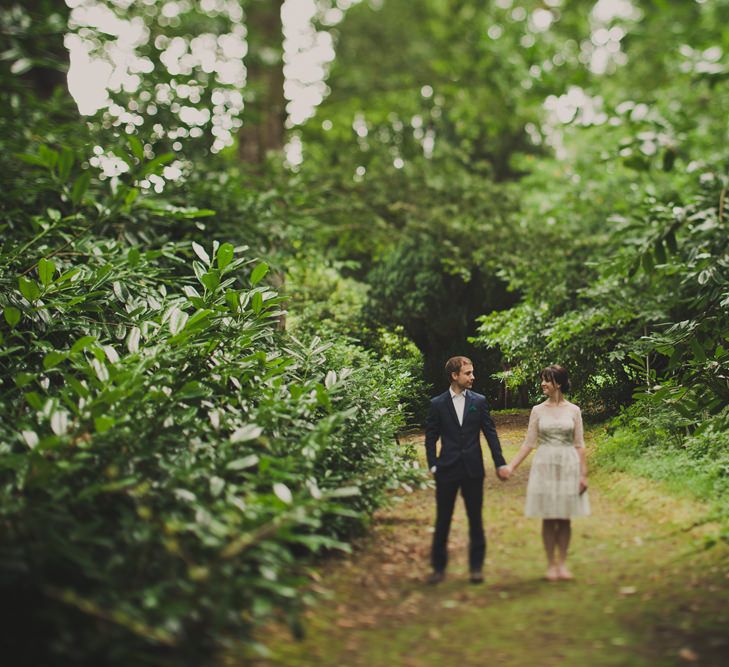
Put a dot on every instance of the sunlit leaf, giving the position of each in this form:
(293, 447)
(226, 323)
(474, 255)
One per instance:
(201, 253)
(283, 493)
(21, 66)
(344, 492)
(102, 373)
(49, 155)
(243, 463)
(59, 422)
(31, 438)
(177, 321)
(133, 340)
(217, 484)
(331, 379)
(24, 379)
(245, 433)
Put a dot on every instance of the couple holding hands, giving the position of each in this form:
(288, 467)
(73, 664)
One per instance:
(557, 486)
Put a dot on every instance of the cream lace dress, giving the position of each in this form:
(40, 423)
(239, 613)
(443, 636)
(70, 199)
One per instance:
(553, 491)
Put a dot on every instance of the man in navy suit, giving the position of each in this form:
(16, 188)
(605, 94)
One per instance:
(458, 417)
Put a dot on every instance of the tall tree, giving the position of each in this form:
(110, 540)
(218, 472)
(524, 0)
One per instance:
(265, 105)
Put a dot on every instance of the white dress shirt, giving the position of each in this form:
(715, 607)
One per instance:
(459, 403)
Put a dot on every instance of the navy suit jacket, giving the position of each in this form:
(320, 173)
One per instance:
(460, 445)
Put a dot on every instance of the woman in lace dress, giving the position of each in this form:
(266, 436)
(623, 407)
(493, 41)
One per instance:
(557, 489)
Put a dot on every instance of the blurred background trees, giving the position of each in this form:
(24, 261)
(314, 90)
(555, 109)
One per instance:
(525, 181)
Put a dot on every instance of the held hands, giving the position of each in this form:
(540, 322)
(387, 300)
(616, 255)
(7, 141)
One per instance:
(503, 473)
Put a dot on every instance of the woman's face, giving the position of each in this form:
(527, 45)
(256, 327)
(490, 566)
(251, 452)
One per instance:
(549, 388)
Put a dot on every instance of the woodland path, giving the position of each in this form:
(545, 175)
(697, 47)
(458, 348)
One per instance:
(647, 592)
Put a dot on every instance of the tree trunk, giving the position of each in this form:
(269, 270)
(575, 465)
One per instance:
(43, 44)
(264, 113)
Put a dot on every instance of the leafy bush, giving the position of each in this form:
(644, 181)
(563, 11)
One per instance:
(652, 440)
(169, 457)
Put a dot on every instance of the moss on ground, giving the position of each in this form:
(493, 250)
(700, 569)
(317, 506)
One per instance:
(646, 591)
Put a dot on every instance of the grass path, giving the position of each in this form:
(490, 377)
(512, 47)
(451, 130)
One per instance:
(646, 592)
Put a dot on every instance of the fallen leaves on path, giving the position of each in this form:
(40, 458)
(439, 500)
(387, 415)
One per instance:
(688, 655)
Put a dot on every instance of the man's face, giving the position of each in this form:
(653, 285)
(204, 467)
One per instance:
(465, 377)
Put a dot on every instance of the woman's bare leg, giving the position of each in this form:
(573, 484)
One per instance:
(563, 533)
(549, 538)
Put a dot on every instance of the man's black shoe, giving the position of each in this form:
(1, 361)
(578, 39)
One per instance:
(476, 577)
(436, 577)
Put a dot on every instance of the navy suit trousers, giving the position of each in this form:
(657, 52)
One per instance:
(446, 492)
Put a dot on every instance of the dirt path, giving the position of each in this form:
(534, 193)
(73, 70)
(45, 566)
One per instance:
(646, 593)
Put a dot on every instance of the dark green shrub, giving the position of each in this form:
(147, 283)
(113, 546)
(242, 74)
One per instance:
(169, 459)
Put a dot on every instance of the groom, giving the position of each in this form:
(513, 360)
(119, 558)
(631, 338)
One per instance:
(457, 417)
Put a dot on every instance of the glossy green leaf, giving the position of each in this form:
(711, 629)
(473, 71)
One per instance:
(24, 379)
(82, 343)
(12, 316)
(28, 288)
(46, 270)
(225, 255)
(259, 273)
(34, 400)
(53, 358)
(210, 280)
(103, 424)
(257, 302)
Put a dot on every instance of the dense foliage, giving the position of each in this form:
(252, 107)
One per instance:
(171, 456)
(623, 273)
(205, 363)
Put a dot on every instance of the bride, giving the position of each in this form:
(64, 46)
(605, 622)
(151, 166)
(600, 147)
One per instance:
(558, 479)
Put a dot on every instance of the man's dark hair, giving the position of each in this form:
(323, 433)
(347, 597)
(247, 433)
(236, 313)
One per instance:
(454, 365)
(557, 375)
